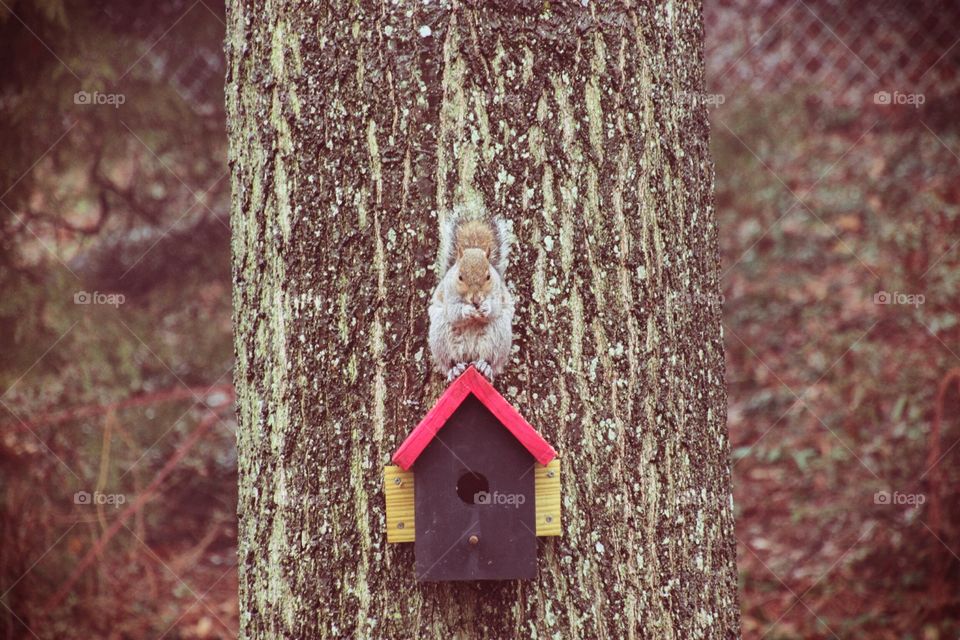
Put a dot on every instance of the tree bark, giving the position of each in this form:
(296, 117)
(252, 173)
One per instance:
(353, 127)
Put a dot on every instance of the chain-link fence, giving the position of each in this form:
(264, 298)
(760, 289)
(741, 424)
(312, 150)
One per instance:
(193, 65)
(844, 51)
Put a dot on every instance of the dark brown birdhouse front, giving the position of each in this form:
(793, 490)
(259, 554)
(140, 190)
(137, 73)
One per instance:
(485, 485)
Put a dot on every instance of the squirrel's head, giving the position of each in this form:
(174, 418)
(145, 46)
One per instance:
(473, 282)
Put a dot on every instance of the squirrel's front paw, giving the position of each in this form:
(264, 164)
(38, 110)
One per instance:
(471, 312)
(484, 367)
(485, 309)
(456, 371)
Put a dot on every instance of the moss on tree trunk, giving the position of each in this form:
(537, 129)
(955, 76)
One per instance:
(353, 126)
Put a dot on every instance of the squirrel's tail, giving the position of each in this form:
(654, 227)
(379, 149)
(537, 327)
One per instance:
(469, 226)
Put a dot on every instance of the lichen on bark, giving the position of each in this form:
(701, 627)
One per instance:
(353, 127)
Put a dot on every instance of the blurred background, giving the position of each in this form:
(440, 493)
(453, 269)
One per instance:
(838, 187)
(836, 141)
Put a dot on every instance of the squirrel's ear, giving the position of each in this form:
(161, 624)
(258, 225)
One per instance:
(459, 251)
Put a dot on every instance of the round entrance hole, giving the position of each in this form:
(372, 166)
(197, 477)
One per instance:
(470, 485)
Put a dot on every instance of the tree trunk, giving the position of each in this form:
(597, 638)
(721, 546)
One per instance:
(353, 127)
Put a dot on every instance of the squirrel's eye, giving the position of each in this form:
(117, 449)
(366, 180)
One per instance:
(460, 278)
(488, 276)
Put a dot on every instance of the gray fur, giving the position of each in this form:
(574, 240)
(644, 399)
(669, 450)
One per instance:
(461, 334)
(474, 211)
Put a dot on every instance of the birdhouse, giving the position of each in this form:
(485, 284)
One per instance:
(473, 486)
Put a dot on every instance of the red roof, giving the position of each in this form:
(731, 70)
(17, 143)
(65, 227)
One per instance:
(472, 382)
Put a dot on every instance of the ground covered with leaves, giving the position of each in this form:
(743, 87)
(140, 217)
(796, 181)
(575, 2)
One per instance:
(840, 230)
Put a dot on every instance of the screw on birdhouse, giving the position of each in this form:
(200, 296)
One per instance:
(474, 540)
(549, 518)
(397, 481)
(399, 525)
(550, 473)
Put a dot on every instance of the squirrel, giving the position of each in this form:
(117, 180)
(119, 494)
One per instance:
(471, 311)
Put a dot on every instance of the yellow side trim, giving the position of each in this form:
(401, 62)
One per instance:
(547, 491)
(398, 489)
